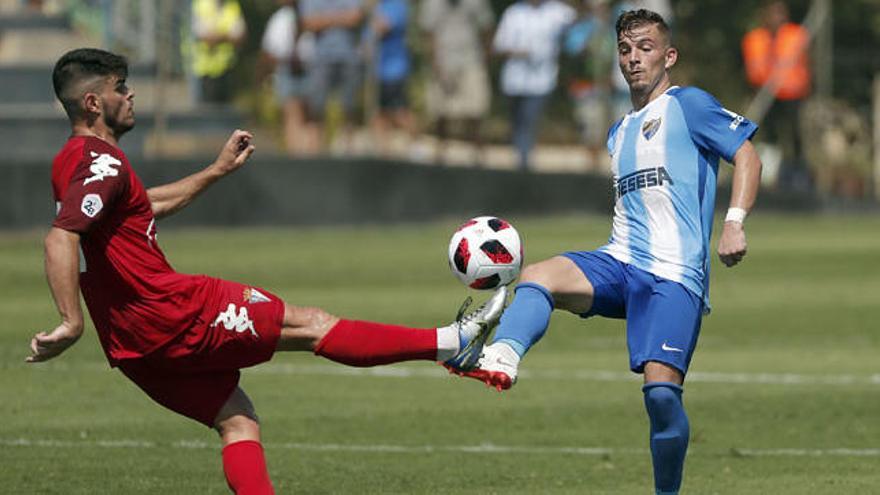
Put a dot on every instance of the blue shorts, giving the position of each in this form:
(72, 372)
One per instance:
(662, 317)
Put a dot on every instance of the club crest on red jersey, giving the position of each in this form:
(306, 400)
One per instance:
(91, 205)
(253, 296)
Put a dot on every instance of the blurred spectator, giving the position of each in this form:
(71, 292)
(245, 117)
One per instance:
(392, 67)
(776, 53)
(528, 37)
(458, 89)
(337, 25)
(288, 51)
(590, 48)
(218, 29)
(35, 6)
(620, 101)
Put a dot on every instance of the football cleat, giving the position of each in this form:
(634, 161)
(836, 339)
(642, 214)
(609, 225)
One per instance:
(496, 367)
(473, 330)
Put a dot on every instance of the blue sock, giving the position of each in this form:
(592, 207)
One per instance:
(669, 434)
(525, 320)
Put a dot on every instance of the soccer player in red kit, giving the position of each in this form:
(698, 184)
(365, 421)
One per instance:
(183, 338)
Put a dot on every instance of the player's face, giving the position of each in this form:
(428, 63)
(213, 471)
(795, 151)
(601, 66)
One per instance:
(118, 105)
(644, 55)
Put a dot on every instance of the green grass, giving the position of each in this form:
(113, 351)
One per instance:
(804, 305)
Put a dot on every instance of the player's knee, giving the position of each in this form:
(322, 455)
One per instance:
(554, 274)
(535, 273)
(663, 402)
(661, 397)
(303, 316)
(243, 426)
(304, 327)
(238, 421)
(237, 414)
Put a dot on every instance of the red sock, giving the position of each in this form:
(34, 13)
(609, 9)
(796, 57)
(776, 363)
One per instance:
(245, 468)
(364, 343)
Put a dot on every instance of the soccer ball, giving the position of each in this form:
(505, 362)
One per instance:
(485, 252)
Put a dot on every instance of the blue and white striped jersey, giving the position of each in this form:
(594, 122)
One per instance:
(664, 160)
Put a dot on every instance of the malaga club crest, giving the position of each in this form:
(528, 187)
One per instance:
(253, 296)
(650, 127)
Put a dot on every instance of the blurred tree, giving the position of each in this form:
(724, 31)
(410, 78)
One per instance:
(708, 34)
(856, 38)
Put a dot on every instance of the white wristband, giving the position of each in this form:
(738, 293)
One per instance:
(735, 215)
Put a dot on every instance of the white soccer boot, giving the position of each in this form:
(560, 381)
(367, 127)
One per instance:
(497, 366)
(473, 330)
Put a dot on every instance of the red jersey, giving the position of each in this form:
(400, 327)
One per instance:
(136, 300)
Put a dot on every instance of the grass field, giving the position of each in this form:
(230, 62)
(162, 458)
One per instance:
(784, 395)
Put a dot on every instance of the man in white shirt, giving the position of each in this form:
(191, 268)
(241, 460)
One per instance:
(528, 37)
(287, 51)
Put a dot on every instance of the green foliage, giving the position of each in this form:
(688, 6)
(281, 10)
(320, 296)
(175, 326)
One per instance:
(803, 304)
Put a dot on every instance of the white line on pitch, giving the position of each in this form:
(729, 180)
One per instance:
(486, 448)
(577, 375)
(428, 371)
(808, 452)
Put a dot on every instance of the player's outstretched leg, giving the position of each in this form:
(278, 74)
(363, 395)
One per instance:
(669, 434)
(522, 325)
(363, 343)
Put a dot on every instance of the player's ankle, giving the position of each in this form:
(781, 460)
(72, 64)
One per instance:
(514, 346)
(448, 342)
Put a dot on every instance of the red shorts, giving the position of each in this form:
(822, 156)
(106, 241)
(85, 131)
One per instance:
(195, 373)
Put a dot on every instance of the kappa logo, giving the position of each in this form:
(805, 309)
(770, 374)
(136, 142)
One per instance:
(239, 322)
(102, 166)
(91, 205)
(650, 127)
(253, 296)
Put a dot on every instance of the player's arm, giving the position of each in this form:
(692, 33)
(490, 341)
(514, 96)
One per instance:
(171, 198)
(62, 273)
(744, 191)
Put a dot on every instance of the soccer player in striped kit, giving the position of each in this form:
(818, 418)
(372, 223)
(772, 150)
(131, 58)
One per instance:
(654, 270)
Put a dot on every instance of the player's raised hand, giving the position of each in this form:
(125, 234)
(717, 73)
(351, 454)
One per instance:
(732, 246)
(45, 346)
(235, 152)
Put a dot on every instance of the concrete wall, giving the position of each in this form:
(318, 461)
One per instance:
(344, 191)
(35, 132)
(330, 191)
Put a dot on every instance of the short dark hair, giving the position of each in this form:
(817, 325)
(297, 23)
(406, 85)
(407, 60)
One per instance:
(632, 19)
(78, 65)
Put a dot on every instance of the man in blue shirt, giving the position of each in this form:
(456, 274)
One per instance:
(654, 270)
(392, 69)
